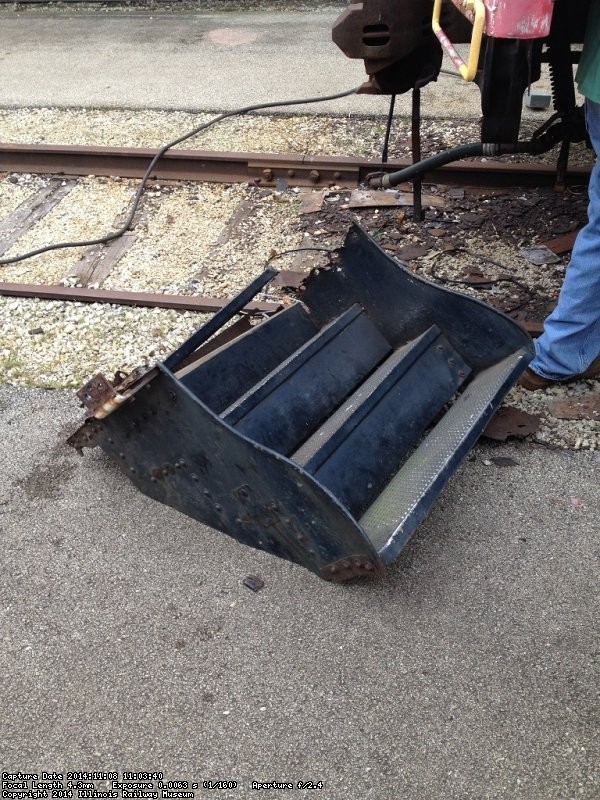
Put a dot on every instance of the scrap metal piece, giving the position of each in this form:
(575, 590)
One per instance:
(585, 406)
(562, 244)
(505, 461)
(289, 278)
(99, 397)
(539, 254)
(311, 202)
(372, 198)
(511, 421)
(253, 582)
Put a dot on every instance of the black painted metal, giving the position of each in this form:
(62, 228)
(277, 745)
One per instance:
(403, 305)
(234, 369)
(292, 401)
(405, 501)
(368, 438)
(388, 357)
(216, 322)
(175, 450)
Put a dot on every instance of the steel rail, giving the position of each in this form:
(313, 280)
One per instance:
(261, 168)
(209, 305)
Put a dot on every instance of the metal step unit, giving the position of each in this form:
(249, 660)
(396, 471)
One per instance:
(324, 434)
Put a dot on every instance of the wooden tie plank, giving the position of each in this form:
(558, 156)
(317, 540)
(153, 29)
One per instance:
(32, 210)
(99, 260)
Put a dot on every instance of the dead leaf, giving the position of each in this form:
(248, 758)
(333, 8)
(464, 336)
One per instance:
(476, 279)
(410, 251)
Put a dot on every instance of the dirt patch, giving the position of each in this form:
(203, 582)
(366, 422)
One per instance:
(45, 481)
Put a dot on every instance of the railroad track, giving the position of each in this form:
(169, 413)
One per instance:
(263, 168)
(270, 171)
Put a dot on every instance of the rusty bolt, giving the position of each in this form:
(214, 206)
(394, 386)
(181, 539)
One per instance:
(267, 174)
(291, 173)
(337, 176)
(314, 175)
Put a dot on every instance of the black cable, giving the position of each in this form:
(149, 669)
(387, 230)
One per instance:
(540, 144)
(136, 200)
(388, 130)
(329, 250)
(476, 149)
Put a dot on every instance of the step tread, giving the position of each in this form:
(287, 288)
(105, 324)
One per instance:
(315, 451)
(291, 403)
(393, 516)
(223, 375)
(250, 399)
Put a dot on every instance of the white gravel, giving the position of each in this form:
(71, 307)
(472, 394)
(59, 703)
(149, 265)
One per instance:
(15, 191)
(179, 251)
(275, 133)
(252, 133)
(184, 247)
(53, 345)
(88, 211)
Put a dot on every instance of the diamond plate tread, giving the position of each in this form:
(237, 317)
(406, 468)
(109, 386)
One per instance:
(394, 515)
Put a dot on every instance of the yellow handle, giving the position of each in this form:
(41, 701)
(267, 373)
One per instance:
(469, 70)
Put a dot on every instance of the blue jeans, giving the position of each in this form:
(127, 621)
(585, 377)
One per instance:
(571, 337)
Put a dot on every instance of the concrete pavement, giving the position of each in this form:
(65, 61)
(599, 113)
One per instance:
(194, 62)
(129, 641)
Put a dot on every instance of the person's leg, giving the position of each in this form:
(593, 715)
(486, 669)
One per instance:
(571, 337)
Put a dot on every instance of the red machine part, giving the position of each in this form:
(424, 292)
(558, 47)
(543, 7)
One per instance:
(401, 42)
(513, 19)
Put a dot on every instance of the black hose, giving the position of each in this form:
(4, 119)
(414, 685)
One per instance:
(433, 162)
(536, 146)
